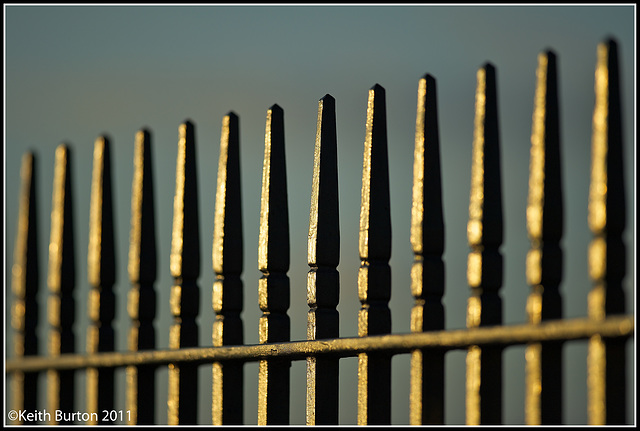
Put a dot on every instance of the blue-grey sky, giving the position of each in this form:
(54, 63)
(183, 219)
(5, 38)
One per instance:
(75, 72)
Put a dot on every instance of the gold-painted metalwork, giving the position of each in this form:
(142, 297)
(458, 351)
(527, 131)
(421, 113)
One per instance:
(607, 255)
(607, 329)
(323, 281)
(484, 266)
(24, 284)
(543, 393)
(227, 258)
(142, 268)
(101, 273)
(273, 262)
(185, 269)
(61, 282)
(427, 272)
(374, 274)
(621, 327)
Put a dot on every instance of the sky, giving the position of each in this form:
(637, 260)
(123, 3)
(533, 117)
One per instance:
(74, 72)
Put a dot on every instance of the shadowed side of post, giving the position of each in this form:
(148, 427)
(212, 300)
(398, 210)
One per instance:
(227, 258)
(273, 286)
(484, 264)
(61, 282)
(427, 272)
(606, 362)
(185, 269)
(142, 269)
(543, 393)
(101, 270)
(25, 279)
(374, 274)
(323, 281)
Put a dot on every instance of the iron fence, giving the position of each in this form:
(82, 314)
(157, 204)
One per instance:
(606, 327)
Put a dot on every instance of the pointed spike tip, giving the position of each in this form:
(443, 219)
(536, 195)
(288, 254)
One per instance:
(488, 66)
(144, 134)
(327, 97)
(428, 77)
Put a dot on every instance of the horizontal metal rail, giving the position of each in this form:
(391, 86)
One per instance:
(507, 335)
(605, 326)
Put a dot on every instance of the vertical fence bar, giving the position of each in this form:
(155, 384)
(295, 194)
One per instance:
(101, 274)
(142, 267)
(484, 265)
(607, 254)
(273, 262)
(61, 281)
(374, 274)
(185, 268)
(24, 284)
(427, 272)
(323, 256)
(543, 384)
(227, 258)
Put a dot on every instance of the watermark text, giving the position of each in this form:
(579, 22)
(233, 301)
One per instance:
(57, 416)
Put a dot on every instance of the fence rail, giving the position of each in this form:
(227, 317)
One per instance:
(606, 327)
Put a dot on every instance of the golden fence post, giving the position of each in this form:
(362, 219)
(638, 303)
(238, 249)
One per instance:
(543, 384)
(607, 329)
(374, 274)
(185, 268)
(24, 284)
(427, 272)
(61, 281)
(273, 262)
(607, 254)
(101, 274)
(484, 265)
(227, 260)
(323, 281)
(142, 268)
